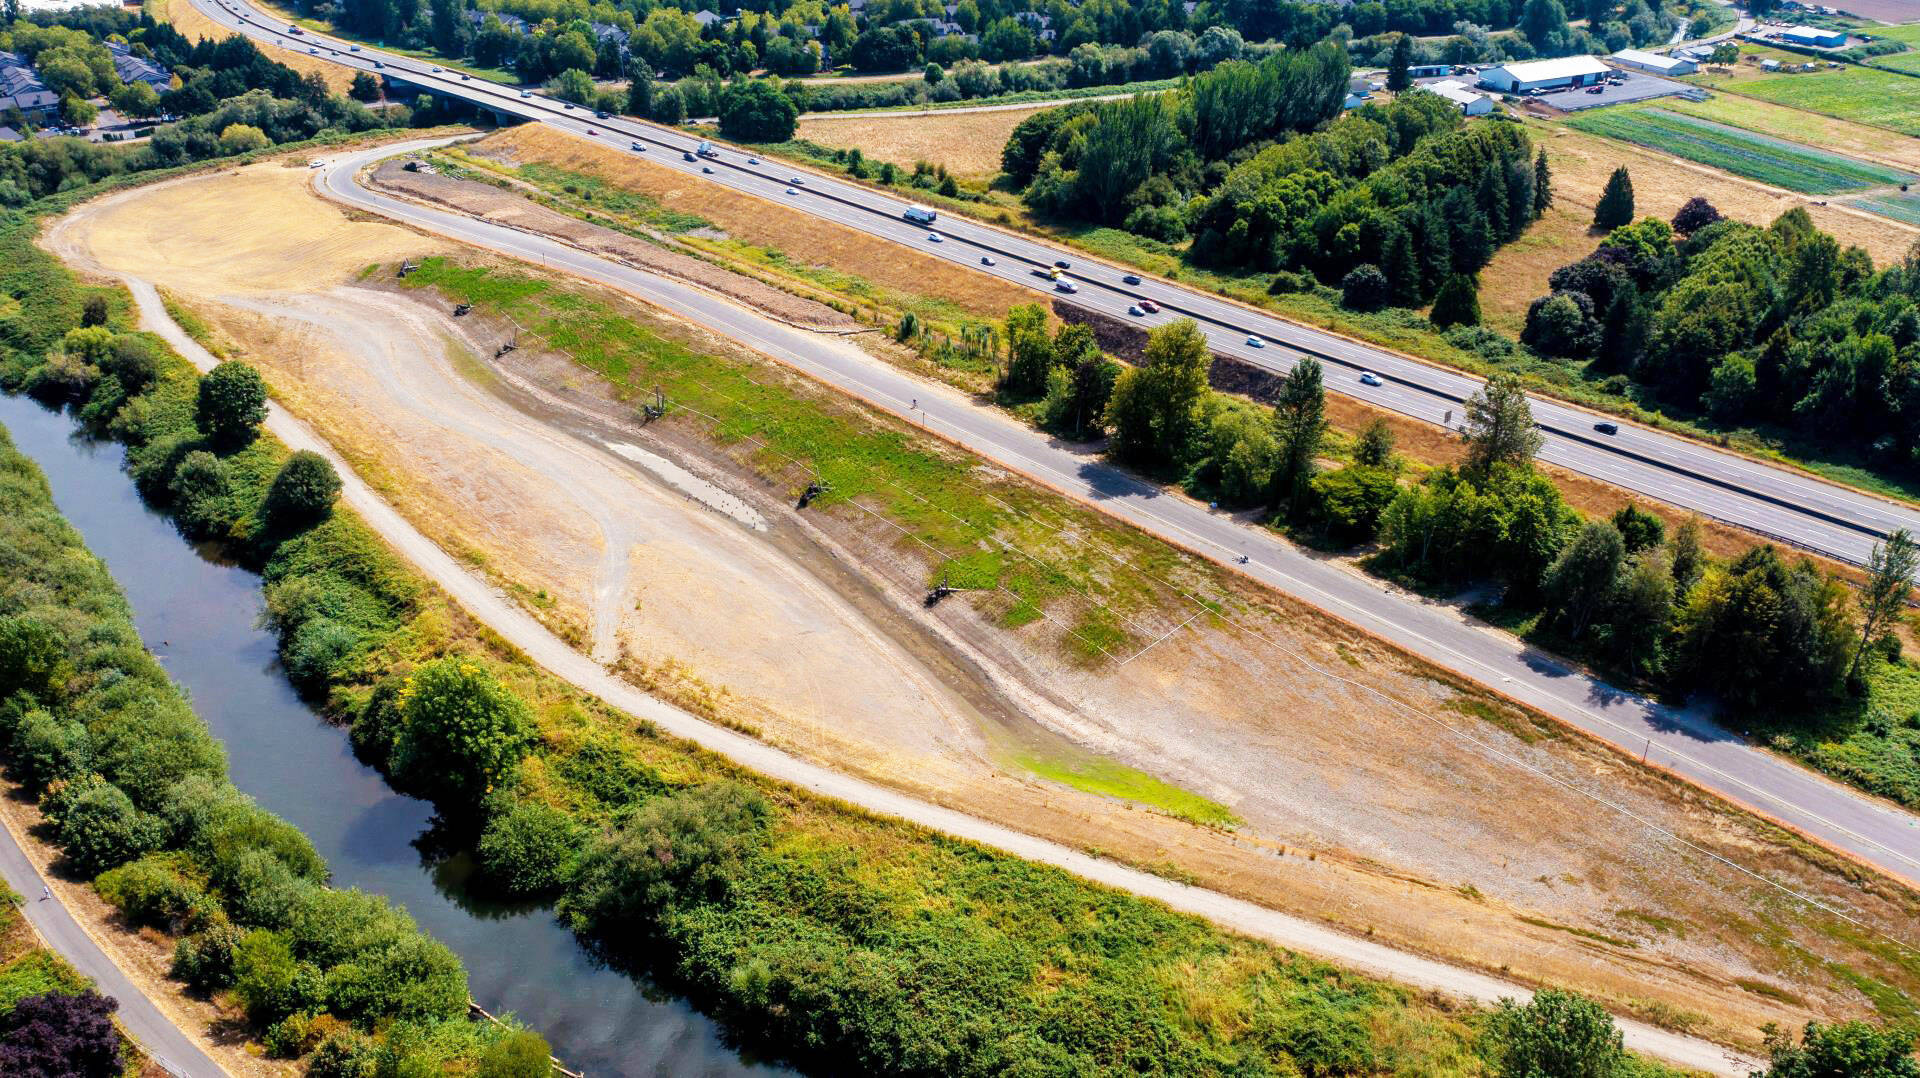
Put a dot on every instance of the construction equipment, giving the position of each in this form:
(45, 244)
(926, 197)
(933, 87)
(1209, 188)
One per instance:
(462, 309)
(505, 348)
(814, 490)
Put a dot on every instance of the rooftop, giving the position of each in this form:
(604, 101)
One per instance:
(1565, 67)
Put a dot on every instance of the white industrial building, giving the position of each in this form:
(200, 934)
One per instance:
(1814, 36)
(1654, 62)
(1544, 74)
(1471, 104)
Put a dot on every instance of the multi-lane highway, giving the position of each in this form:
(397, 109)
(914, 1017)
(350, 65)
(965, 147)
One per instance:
(1780, 502)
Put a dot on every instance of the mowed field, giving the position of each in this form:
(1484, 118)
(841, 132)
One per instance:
(1769, 160)
(1900, 207)
(1881, 98)
(968, 143)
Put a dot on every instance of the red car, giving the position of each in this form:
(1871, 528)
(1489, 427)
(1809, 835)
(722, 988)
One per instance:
(1149, 306)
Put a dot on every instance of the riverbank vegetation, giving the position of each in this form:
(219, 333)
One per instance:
(135, 789)
(52, 1021)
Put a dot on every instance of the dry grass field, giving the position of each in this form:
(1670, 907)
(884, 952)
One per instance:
(1581, 164)
(189, 21)
(968, 143)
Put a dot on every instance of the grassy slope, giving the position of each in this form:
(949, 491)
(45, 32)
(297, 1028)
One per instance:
(1863, 95)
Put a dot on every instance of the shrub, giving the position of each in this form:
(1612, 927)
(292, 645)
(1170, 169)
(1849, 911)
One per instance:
(290, 1038)
(529, 849)
(98, 826)
(153, 891)
(1365, 288)
(1561, 325)
(47, 750)
(1286, 282)
(345, 1054)
(206, 960)
(1349, 501)
(683, 848)
(231, 405)
(302, 493)
(519, 1055)
(1457, 303)
(1695, 215)
(200, 489)
(269, 982)
(61, 1036)
(30, 653)
(318, 652)
(132, 361)
(1559, 1033)
(460, 731)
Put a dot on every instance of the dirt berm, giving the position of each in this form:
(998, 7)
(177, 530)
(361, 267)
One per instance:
(516, 212)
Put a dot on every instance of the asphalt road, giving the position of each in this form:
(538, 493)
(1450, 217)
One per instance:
(489, 606)
(1685, 742)
(1774, 501)
(173, 1050)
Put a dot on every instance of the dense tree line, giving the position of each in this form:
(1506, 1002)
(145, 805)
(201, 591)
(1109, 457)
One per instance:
(1777, 326)
(1406, 191)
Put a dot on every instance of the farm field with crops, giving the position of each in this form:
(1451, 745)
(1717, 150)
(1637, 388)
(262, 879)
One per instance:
(1862, 94)
(1901, 207)
(1769, 160)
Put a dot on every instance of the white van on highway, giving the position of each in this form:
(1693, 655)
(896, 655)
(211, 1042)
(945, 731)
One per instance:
(920, 215)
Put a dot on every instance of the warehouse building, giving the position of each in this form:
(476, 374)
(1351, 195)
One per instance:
(1654, 62)
(1544, 74)
(1471, 104)
(1814, 36)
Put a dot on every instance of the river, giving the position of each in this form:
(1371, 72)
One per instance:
(200, 616)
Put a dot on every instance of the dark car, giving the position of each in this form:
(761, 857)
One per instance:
(686, 155)
(1131, 278)
(1063, 264)
(1607, 428)
(601, 113)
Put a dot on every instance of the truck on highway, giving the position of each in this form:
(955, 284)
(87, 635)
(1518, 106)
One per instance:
(706, 149)
(920, 215)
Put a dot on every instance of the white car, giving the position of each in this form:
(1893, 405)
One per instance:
(637, 147)
(797, 181)
(353, 48)
(1255, 342)
(1134, 310)
(791, 191)
(934, 237)
(1064, 285)
(1368, 378)
(526, 93)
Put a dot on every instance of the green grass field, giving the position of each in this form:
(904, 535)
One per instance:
(1744, 153)
(1880, 98)
(1902, 207)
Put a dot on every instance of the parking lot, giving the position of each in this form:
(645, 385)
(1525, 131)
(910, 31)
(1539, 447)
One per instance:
(1636, 86)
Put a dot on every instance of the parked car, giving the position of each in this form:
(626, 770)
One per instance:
(1368, 378)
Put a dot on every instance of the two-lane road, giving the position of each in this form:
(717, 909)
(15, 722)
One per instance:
(1839, 522)
(1687, 743)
